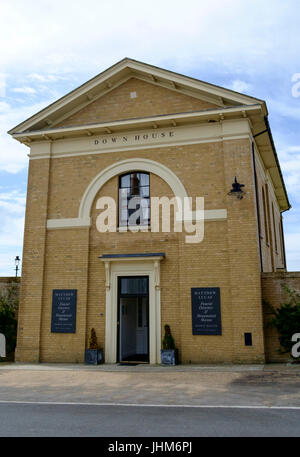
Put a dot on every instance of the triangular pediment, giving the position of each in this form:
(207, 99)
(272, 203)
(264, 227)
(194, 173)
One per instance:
(163, 92)
(135, 98)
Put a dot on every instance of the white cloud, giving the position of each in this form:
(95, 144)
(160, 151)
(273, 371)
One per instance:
(13, 155)
(47, 78)
(54, 35)
(289, 156)
(4, 107)
(7, 264)
(25, 90)
(240, 86)
(12, 202)
(292, 243)
(285, 108)
(11, 232)
(2, 85)
(12, 210)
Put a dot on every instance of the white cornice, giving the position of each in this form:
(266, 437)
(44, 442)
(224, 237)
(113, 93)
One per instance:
(143, 139)
(139, 123)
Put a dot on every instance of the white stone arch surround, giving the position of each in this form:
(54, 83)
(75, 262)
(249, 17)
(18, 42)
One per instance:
(125, 166)
(136, 164)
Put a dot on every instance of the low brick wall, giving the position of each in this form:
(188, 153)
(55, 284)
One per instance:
(273, 293)
(7, 281)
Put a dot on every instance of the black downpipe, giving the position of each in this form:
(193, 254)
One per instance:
(257, 207)
(277, 161)
(282, 241)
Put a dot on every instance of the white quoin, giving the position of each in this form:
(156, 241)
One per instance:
(2, 345)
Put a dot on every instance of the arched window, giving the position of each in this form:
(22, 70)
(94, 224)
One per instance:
(134, 199)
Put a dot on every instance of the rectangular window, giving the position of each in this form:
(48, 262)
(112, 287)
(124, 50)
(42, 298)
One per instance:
(274, 228)
(134, 199)
(134, 286)
(248, 339)
(265, 216)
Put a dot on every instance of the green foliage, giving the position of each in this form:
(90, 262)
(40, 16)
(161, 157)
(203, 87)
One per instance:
(8, 316)
(287, 320)
(93, 344)
(168, 341)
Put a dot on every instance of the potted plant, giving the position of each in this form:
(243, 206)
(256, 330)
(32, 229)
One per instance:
(93, 355)
(169, 354)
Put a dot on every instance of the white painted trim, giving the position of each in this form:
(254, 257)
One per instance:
(132, 259)
(210, 215)
(200, 95)
(189, 117)
(134, 228)
(143, 139)
(125, 166)
(118, 168)
(139, 148)
(132, 267)
(53, 224)
(214, 215)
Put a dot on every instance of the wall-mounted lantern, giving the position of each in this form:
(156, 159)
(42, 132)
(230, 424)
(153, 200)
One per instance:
(236, 190)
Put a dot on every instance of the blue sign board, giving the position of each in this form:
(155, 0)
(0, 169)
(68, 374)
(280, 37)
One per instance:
(64, 311)
(206, 312)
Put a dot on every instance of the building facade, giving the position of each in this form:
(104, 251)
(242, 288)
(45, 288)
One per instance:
(137, 130)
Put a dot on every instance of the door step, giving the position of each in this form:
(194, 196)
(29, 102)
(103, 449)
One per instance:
(133, 363)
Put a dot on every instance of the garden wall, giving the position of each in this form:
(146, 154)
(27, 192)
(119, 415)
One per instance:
(273, 293)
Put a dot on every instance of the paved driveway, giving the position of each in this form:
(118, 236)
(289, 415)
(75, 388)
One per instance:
(214, 385)
(67, 400)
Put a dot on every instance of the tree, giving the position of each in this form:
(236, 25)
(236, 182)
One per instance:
(9, 301)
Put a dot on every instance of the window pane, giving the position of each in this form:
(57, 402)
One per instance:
(123, 210)
(134, 184)
(134, 286)
(145, 209)
(140, 314)
(144, 191)
(123, 193)
(125, 181)
(123, 215)
(144, 179)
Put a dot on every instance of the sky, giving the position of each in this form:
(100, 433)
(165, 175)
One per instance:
(49, 48)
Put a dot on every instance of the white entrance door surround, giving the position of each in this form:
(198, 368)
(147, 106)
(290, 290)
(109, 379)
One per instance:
(132, 265)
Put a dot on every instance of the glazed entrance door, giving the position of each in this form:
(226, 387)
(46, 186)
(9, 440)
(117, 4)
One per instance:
(133, 319)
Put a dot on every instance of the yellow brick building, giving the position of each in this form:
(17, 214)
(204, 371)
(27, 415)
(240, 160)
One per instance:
(139, 130)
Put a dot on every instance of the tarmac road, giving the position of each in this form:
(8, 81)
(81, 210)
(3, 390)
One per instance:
(79, 401)
(36, 420)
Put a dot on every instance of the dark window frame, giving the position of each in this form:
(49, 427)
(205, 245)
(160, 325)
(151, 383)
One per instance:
(131, 195)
